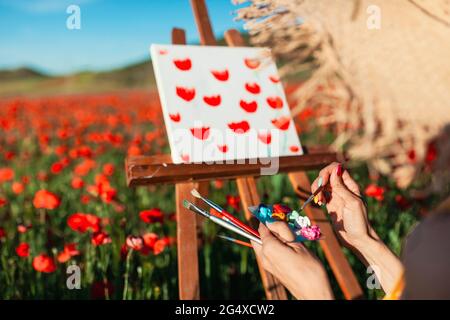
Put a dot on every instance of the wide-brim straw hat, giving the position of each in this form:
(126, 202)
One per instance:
(382, 66)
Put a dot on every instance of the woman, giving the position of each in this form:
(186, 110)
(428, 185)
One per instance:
(303, 274)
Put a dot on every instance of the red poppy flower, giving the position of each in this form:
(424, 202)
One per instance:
(150, 239)
(152, 215)
(84, 167)
(56, 168)
(77, 183)
(23, 250)
(102, 189)
(70, 250)
(100, 238)
(22, 228)
(85, 199)
(44, 199)
(6, 174)
(82, 222)
(108, 169)
(233, 201)
(2, 202)
(17, 187)
(375, 191)
(135, 243)
(44, 263)
(159, 246)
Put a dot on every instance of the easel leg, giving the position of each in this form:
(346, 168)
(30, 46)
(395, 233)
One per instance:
(330, 244)
(249, 197)
(188, 278)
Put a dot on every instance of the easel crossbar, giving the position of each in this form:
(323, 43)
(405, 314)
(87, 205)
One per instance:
(145, 170)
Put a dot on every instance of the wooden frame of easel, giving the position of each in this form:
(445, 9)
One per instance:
(146, 170)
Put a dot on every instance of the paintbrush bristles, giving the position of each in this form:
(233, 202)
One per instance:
(187, 204)
(195, 193)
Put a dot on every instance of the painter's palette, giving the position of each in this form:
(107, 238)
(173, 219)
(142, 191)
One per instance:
(222, 103)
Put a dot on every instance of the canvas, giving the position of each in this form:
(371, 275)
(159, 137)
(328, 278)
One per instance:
(223, 104)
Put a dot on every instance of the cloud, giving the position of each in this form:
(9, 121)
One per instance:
(42, 6)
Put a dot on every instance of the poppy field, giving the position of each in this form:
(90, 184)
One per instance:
(64, 201)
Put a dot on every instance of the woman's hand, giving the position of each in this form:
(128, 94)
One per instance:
(349, 215)
(292, 263)
(344, 204)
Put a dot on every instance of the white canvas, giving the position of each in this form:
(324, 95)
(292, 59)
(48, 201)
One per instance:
(222, 103)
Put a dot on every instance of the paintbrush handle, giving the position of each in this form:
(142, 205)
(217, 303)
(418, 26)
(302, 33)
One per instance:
(240, 224)
(239, 242)
(231, 227)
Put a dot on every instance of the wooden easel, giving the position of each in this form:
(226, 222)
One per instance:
(146, 170)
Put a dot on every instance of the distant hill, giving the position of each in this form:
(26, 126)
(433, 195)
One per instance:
(27, 81)
(20, 73)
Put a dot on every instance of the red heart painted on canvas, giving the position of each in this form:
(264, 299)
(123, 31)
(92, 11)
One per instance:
(213, 101)
(282, 123)
(185, 157)
(175, 117)
(186, 93)
(253, 87)
(221, 75)
(275, 102)
(252, 63)
(265, 137)
(200, 133)
(223, 148)
(294, 148)
(239, 127)
(274, 79)
(183, 64)
(248, 106)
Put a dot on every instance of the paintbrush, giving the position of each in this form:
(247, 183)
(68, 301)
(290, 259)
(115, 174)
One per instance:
(237, 241)
(311, 197)
(223, 223)
(226, 215)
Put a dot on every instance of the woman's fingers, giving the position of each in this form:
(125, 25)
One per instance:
(281, 230)
(350, 183)
(322, 180)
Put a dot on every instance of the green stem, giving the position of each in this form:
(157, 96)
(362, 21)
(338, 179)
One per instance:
(126, 276)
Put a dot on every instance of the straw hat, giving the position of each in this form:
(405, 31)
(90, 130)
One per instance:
(383, 67)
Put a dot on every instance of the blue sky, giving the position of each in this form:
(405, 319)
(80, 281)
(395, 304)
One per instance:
(113, 33)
